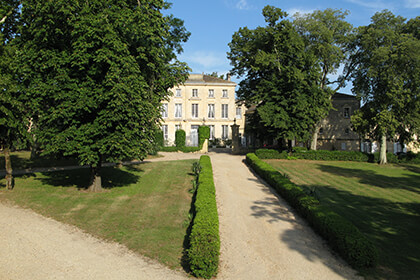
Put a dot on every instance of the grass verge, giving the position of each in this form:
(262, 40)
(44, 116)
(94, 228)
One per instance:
(382, 201)
(145, 206)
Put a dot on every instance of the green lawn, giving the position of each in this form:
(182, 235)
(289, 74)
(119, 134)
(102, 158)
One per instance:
(382, 201)
(144, 206)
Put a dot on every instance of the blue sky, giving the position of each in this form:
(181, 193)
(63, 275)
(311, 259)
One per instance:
(212, 23)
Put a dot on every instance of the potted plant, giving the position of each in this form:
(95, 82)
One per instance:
(228, 143)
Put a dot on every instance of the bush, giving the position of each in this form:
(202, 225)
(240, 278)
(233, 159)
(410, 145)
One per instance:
(342, 235)
(181, 149)
(159, 138)
(180, 138)
(410, 157)
(203, 134)
(271, 154)
(203, 254)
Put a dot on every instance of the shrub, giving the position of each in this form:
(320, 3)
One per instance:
(410, 157)
(203, 134)
(271, 154)
(159, 138)
(203, 254)
(342, 235)
(180, 138)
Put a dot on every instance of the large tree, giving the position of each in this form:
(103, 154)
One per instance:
(280, 76)
(12, 113)
(97, 71)
(387, 79)
(328, 36)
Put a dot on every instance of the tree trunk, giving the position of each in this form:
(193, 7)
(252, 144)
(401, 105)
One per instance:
(382, 154)
(9, 170)
(314, 141)
(95, 179)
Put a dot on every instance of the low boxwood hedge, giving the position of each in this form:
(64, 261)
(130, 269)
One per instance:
(203, 254)
(303, 153)
(342, 235)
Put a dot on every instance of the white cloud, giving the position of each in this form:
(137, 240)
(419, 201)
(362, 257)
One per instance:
(205, 59)
(376, 4)
(413, 4)
(242, 5)
(294, 11)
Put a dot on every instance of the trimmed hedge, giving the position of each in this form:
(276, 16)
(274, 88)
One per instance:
(179, 149)
(342, 235)
(303, 153)
(203, 254)
(180, 138)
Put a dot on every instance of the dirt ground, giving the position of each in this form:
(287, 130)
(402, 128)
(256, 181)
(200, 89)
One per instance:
(261, 238)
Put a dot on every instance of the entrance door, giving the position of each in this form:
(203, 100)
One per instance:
(194, 135)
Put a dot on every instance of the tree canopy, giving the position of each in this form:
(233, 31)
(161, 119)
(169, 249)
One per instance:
(387, 79)
(97, 71)
(280, 76)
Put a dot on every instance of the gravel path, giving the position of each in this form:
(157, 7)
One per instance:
(260, 235)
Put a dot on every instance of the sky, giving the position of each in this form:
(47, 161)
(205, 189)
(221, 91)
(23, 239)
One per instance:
(212, 23)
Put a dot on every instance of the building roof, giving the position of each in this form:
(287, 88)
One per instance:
(206, 79)
(338, 95)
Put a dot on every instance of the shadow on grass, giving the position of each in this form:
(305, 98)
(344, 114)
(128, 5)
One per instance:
(392, 226)
(20, 162)
(112, 177)
(410, 182)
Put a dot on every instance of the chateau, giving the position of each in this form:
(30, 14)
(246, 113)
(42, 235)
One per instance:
(202, 100)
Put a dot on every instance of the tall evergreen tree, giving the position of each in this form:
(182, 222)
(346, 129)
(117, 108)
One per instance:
(387, 79)
(280, 76)
(97, 71)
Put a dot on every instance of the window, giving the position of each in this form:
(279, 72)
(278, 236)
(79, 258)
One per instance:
(211, 93)
(347, 131)
(165, 131)
(178, 92)
(195, 92)
(194, 110)
(211, 132)
(177, 127)
(343, 146)
(224, 93)
(225, 111)
(178, 110)
(321, 130)
(164, 110)
(346, 112)
(225, 132)
(211, 111)
(238, 113)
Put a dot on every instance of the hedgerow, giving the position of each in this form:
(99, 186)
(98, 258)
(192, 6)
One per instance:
(203, 254)
(341, 234)
(302, 153)
(180, 138)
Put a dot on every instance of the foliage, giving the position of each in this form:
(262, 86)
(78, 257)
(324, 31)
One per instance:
(271, 154)
(203, 134)
(280, 76)
(180, 149)
(387, 79)
(97, 72)
(180, 138)
(341, 234)
(328, 36)
(204, 248)
(159, 138)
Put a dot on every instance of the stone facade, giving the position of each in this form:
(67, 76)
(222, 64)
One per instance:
(335, 132)
(202, 100)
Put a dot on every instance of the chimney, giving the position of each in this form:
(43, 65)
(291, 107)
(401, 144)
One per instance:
(228, 76)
